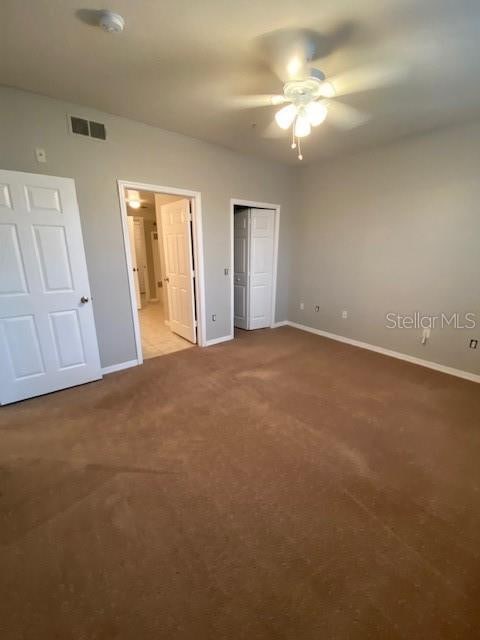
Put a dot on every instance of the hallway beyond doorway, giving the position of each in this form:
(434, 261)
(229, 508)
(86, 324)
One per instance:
(157, 339)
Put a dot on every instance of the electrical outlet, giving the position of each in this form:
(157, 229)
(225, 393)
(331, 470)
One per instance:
(473, 343)
(302, 306)
(344, 314)
(214, 317)
(226, 271)
(317, 308)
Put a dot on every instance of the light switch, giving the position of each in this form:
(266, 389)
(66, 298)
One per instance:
(40, 155)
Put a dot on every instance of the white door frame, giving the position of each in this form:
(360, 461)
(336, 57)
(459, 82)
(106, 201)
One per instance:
(254, 205)
(198, 254)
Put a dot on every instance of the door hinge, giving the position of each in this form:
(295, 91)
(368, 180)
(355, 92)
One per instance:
(194, 275)
(195, 323)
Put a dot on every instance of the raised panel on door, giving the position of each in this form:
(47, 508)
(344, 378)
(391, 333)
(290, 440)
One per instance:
(260, 305)
(5, 197)
(240, 265)
(43, 199)
(53, 258)
(12, 270)
(47, 334)
(240, 305)
(262, 256)
(23, 347)
(68, 338)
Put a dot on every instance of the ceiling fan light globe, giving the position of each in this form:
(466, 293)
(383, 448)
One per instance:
(316, 113)
(302, 126)
(134, 204)
(327, 90)
(286, 116)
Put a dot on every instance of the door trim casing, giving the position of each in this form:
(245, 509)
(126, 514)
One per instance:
(198, 254)
(254, 205)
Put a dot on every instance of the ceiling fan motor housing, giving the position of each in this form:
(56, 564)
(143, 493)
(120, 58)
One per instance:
(301, 92)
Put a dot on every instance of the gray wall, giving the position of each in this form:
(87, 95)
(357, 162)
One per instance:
(141, 153)
(393, 229)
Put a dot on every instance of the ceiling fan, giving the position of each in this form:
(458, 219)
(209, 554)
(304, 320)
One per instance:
(308, 97)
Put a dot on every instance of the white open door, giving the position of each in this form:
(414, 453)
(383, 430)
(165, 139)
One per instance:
(179, 276)
(47, 331)
(133, 254)
(241, 231)
(262, 228)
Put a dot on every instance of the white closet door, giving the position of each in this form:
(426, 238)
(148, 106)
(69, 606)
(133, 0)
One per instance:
(240, 268)
(47, 330)
(262, 227)
(177, 243)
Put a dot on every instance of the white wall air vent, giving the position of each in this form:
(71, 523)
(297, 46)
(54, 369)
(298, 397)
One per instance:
(87, 128)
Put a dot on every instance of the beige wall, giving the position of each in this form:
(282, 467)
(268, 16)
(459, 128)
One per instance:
(137, 152)
(393, 229)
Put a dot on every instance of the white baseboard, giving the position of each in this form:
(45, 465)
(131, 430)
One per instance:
(213, 341)
(282, 323)
(118, 367)
(466, 375)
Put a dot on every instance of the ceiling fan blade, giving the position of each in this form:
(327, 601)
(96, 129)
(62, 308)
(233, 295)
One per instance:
(255, 101)
(344, 116)
(289, 52)
(366, 78)
(273, 131)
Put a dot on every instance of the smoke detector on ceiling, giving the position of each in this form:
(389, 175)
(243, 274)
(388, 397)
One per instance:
(111, 22)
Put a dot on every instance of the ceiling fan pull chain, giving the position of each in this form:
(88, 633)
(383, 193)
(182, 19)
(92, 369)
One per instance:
(300, 156)
(294, 144)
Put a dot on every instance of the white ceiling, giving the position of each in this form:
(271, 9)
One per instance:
(179, 62)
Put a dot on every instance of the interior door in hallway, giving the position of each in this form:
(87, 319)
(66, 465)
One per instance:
(133, 255)
(48, 339)
(179, 274)
(141, 252)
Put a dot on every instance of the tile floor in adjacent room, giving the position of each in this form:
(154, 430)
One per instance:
(157, 339)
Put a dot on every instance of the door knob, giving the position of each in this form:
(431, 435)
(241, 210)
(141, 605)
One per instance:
(83, 299)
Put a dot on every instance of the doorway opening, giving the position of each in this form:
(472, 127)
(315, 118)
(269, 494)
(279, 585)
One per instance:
(163, 248)
(254, 237)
